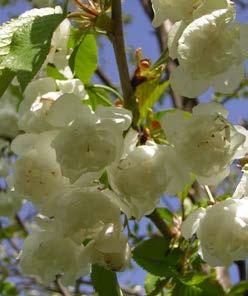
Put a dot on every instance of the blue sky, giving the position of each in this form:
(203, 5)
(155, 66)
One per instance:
(141, 34)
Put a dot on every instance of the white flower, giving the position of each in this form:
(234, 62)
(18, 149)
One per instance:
(46, 255)
(210, 51)
(205, 141)
(143, 174)
(221, 230)
(82, 212)
(43, 105)
(58, 54)
(110, 249)
(37, 175)
(242, 188)
(90, 143)
(183, 9)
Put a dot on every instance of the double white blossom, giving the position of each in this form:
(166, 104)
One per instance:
(222, 230)
(90, 142)
(208, 43)
(205, 141)
(37, 175)
(82, 212)
(47, 100)
(110, 249)
(47, 255)
(143, 174)
(184, 10)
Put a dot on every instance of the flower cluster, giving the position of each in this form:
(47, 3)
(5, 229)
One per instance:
(206, 143)
(66, 150)
(208, 43)
(222, 228)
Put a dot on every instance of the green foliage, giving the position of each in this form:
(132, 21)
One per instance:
(53, 72)
(148, 93)
(8, 289)
(24, 45)
(152, 282)
(98, 96)
(240, 289)
(166, 215)
(6, 76)
(197, 285)
(105, 282)
(155, 256)
(83, 60)
(10, 231)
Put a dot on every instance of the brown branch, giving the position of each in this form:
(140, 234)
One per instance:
(61, 289)
(160, 224)
(117, 38)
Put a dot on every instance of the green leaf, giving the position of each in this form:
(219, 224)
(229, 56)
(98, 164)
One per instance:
(239, 289)
(75, 37)
(8, 289)
(25, 44)
(53, 72)
(6, 76)
(198, 285)
(98, 96)
(105, 281)
(166, 215)
(152, 255)
(151, 283)
(83, 60)
(148, 93)
(163, 59)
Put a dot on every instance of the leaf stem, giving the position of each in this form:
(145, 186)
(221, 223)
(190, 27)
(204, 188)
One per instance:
(117, 39)
(110, 89)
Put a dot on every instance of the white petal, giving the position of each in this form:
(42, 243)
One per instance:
(211, 260)
(215, 179)
(121, 116)
(66, 109)
(184, 85)
(229, 81)
(243, 149)
(244, 38)
(242, 188)
(191, 224)
(210, 108)
(24, 143)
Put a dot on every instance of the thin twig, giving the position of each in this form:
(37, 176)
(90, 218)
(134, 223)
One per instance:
(209, 193)
(61, 289)
(117, 38)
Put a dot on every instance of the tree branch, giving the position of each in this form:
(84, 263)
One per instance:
(117, 38)
(160, 224)
(61, 289)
